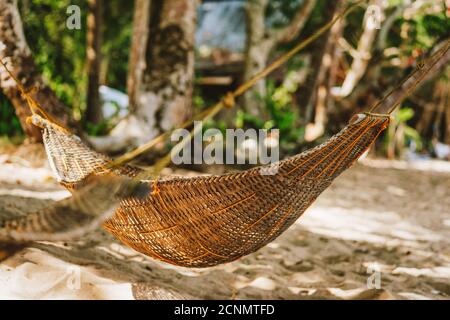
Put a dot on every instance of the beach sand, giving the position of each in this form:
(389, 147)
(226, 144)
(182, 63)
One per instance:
(381, 231)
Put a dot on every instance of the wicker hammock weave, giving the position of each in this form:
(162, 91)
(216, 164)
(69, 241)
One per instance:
(205, 221)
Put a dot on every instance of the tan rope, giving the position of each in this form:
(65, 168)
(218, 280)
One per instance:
(444, 50)
(33, 105)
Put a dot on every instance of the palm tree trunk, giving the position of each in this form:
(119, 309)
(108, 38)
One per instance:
(160, 75)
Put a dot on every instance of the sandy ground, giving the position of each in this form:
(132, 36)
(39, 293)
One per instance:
(381, 231)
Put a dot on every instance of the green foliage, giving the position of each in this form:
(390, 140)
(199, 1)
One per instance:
(400, 134)
(117, 31)
(198, 100)
(60, 53)
(9, 124)
(280, 12)
(98, 129)
(427, 29)
(280, 115)
(107, 124)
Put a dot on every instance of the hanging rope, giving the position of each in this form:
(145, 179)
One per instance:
(422, 69)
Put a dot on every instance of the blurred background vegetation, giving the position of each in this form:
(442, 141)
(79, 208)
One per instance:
(305, 99)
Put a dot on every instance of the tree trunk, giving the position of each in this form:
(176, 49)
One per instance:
(164, 97)
(261, 42)
(258, 47)
(136, 64)
(16, 54)
(319, 98)
(307, 94)
(94, 60)
(335, 58)
(447, 117)
(161, 71)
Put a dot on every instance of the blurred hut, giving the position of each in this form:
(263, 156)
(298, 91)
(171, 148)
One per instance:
(220, 45)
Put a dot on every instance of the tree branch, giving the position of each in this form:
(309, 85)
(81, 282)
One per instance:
(292, 30)
(361, 57)
(255, 12)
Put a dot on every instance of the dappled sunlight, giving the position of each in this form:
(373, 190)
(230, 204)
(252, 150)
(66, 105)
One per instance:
(26, 176)
(385, 228)
(328, 253)
(49, 195)
(435, 272)
(40, 276)
(426, 165)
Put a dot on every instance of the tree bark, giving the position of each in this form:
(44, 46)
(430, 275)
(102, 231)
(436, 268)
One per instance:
(261, 42)
(16, 54)
(161, 71)
(93, 53)
(136, 64)
(165, 94)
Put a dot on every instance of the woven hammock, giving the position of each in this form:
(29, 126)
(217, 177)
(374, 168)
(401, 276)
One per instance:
(205, 221)
(96, 199)
(201, 221)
